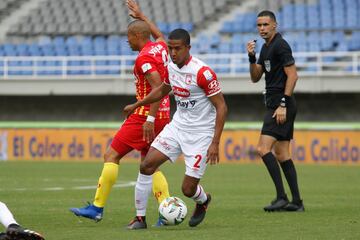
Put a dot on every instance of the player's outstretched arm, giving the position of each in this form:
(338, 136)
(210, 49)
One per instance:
(135, 12)
(155, 95)
(221, 111)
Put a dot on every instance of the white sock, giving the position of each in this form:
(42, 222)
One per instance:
(142, 190)
(6, 217)
(200, 195)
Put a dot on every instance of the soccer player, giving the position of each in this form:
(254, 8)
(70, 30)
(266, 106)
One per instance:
(277, 62)
(195, 129)
(141, 127)
(13, 230)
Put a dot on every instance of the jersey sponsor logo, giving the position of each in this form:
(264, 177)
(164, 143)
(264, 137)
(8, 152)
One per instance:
(146, 67)
(208, 75)
(267, 65)
(181, 92)
(186, 104)
(156, 49)
(213, 85)
(163, 143)
(188, 78)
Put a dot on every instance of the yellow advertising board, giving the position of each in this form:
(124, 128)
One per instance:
(237, 146)
(56, 144)
(308, 146)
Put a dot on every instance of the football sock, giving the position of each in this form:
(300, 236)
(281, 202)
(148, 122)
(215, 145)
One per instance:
(291, 177)
(142, 191)
(160, 186)
(274, 170)
(200, 195)
(6, 217)
(106, 181)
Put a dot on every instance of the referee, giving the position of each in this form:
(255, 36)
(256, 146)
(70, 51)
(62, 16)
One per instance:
(277, 62)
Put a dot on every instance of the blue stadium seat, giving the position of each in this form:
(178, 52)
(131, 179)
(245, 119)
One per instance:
(34, 50)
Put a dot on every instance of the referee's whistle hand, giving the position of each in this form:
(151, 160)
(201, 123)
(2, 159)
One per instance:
(251, 47)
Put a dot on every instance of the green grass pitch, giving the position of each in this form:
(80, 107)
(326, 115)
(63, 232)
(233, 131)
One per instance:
(40, 193)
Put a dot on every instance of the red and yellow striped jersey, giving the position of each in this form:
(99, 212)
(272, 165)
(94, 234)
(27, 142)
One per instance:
(153, 57)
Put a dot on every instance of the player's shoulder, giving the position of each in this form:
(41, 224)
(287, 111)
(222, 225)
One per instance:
(197, 65)
(280, 41)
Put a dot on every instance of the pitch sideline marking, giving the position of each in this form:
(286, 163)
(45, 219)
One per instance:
(119, 185)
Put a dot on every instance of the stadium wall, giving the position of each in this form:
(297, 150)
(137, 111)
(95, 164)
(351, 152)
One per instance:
(343, 107)
(312, 144)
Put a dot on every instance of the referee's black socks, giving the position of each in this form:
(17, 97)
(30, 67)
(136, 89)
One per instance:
(274, 170)
(291, 177)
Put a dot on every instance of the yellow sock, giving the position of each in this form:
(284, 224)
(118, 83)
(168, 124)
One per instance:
(160, 186)
(106, 181)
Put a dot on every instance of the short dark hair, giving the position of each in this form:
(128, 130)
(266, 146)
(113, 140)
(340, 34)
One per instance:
(180, 34)
(267, 13)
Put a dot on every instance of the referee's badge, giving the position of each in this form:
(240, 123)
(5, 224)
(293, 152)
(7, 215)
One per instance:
(267, 65)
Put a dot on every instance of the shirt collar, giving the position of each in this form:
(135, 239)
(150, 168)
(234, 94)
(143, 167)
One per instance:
(189, 60)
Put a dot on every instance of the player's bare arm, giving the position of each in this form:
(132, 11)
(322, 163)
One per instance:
(221, 111)
(154, 80)
(135, 12)
(256, 70)
(292, 77)
(155, 95)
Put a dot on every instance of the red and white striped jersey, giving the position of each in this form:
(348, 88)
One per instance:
(192, 85)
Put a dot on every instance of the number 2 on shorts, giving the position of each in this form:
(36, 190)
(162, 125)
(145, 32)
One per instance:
(198, 159)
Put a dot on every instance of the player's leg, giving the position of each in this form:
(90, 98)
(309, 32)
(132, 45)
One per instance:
(192, 189)
(160, 186)
(6, 217)
(13, 229)
(107, 179)
(282, 154)
(264, 148)
(195, 147)
(165, 146)
(152, 161)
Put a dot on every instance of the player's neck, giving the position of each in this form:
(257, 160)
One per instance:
(185, 62)
(142, 44)
(268, 41)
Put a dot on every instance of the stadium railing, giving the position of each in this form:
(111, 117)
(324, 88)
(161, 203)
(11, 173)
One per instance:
(231, 65)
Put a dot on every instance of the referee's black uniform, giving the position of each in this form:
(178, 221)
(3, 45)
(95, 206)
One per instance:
(273, 58)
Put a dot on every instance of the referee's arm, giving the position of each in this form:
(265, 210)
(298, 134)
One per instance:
(292, 77)
(256, 70)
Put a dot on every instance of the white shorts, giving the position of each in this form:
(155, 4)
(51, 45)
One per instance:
(172, 142)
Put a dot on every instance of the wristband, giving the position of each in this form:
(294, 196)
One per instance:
(252, 58)
(150, 118)
(284, 100)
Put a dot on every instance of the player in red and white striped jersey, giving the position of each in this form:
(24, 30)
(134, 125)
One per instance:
(194, 131)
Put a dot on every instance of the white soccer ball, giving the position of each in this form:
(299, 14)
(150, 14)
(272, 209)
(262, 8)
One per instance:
(172, 211)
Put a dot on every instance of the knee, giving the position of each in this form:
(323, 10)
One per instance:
(188, 190)
(147, 168)
(110, 157)
(262, 150)
(281, 156)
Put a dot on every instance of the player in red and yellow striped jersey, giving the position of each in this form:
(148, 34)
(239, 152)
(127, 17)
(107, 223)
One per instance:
(141, 127)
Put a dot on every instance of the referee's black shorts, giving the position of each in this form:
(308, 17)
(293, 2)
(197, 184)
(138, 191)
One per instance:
(281, 132)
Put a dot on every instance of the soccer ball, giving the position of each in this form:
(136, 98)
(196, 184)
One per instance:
(172, 211)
